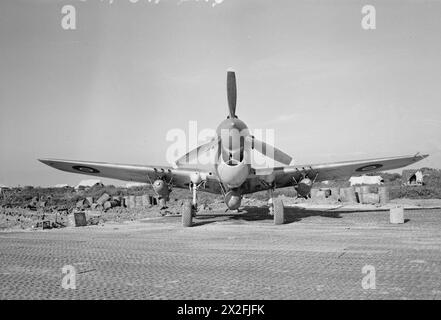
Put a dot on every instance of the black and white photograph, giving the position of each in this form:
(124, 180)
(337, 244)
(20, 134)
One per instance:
(220, 154)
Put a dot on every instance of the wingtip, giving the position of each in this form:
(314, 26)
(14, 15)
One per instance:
(419, 156)
(422, 155)
(45, 161)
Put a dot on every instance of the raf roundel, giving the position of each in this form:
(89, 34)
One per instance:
(85, 169)
(369, 167)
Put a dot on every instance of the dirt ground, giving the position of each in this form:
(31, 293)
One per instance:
(25, 219)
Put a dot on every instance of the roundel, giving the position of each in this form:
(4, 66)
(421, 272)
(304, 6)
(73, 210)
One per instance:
(369, 167)
(85, 169)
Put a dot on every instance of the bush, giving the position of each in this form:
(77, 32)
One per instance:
(415, 192)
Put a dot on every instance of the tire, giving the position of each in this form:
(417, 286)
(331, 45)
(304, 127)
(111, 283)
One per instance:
(187, 214)
(279, 212)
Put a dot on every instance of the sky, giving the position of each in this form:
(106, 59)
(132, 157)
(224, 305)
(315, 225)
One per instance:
(111, 89)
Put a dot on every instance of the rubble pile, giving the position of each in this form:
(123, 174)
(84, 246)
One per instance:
(41, 212)
(106, 202)
(364, 194)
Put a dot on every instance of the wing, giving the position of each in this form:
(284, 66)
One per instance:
(289, 175)
(179, 178)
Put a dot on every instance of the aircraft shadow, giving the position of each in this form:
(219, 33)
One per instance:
(292, 214)
(254, 213)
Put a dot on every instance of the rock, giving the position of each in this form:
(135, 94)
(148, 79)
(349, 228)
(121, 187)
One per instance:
(88, 201)
(107, 205)
(117, 199)
(103, 199)
(93, 217)
(96, 206)
(80, 204)
(110, 204)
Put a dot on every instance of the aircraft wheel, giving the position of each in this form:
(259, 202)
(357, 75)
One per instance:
(187, 214)
(279, 212)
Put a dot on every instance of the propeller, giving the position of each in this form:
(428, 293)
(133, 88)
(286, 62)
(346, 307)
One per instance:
(231, 92)
(269, 150)
(260, 146)
(193, 154)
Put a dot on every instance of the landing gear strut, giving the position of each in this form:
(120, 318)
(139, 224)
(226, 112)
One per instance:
(195, 198)
(270, 201)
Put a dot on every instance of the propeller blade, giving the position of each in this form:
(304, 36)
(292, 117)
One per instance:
(270, 151)
(231, 92)
(193, 154)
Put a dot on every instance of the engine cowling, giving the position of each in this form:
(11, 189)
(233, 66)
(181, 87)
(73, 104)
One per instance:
(161, 188)
(233, 173)
(233, 200)
(304, 187)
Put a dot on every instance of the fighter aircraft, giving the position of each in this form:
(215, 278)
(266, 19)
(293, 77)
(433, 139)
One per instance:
(232, 173)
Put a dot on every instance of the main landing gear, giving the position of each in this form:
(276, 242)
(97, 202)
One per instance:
(276, 207)
(189, 207)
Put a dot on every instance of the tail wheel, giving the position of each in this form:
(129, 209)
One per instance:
(279, 212)
(187, 214)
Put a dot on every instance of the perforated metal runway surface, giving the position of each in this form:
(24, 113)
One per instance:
(316, 255)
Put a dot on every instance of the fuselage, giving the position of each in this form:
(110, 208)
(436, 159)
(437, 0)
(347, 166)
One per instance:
(233, 163)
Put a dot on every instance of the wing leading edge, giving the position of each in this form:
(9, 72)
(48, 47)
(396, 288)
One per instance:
(282, 176)
(285, 176)
(180, 178)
